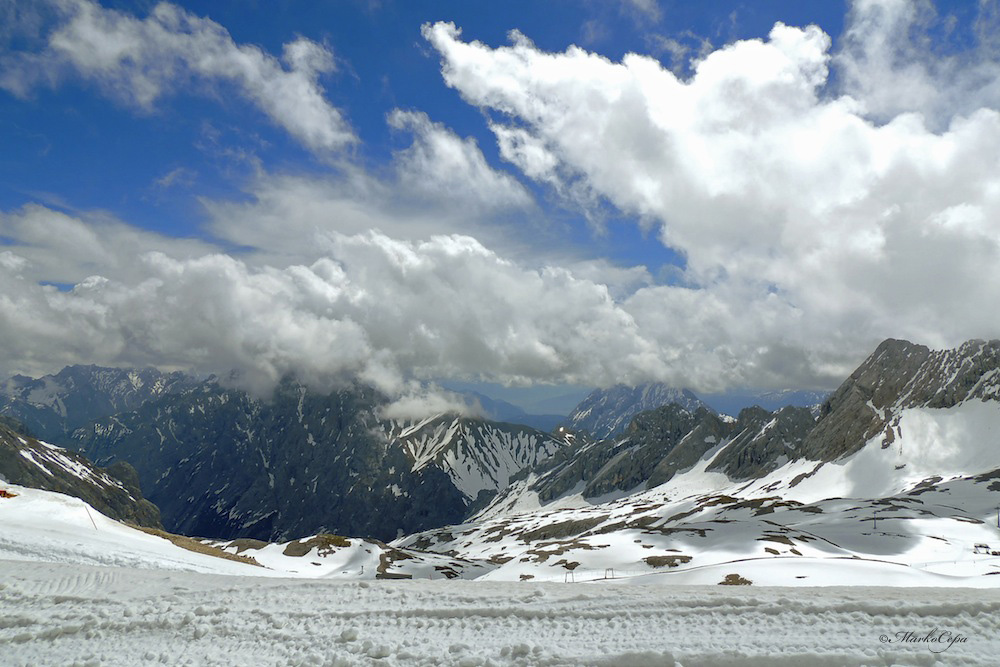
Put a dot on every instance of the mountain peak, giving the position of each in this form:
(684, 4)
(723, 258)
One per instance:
(896, 376)
(607, 412)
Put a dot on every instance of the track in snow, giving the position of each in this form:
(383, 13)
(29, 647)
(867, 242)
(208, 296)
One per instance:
(59, 614)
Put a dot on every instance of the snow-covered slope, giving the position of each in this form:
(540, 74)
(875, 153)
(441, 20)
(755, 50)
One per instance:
(900, 375)
(656, 446)
(922, 498)
(44, 526)
(477, 455)
(878, 505)
(78, 588)
(27, 461)
(685, 491)
(57, 615)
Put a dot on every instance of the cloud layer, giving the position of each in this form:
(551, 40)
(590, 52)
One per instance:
(383, 310)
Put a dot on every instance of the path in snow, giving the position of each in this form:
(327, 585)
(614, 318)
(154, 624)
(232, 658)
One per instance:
(63, 614)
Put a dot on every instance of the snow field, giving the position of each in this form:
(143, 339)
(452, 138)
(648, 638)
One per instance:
(61, 614)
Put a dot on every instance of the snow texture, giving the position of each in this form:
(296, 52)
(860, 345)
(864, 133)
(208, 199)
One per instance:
(59, 614)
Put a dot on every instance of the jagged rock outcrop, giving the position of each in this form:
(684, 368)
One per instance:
(900, 375)
(761, 441)
(26, 461)
(607, 412)
(54, 406)
(670, 439)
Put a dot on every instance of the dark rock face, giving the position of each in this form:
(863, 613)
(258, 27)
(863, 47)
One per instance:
(220, 463)
(607, 412)
(27, 462)
(54, 405)
(662, 442)
(901, 375)
(651, 441)
(760, 442)
(709, 431)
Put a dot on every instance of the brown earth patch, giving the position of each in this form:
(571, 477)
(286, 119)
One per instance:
(194, 545)
(325, 543)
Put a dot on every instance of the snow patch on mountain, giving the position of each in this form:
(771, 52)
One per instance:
(476, 455)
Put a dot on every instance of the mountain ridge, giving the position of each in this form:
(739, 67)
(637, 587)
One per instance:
(605, 413)
(222, 463)
(113, 491)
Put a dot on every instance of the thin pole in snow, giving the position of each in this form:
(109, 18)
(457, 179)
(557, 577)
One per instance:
(87, 507)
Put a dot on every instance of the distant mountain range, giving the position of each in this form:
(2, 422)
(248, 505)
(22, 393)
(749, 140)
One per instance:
(679, 481)
(54, 406)
(495, 409)
(899, 472)
(732, 402)
(221, 463)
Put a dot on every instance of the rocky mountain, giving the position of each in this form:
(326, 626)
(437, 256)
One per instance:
(221, 463)
(731, 402)
(898, 474)
(897, 377)
(54, 405)
(657, 445)
(607, 412)
(114, 491)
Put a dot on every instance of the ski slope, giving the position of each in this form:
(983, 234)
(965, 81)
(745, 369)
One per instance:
(67, 614)
(77, 588)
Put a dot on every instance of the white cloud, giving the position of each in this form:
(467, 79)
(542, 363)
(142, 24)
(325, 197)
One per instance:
(810, 231)
(176, 177)
(385, 311)
(889, 60)
(419, 400)
(139, 60)
(442, 166)
(56, 247)
(439, 184)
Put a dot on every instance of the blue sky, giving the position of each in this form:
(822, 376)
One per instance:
(410, 191)
(73, 148)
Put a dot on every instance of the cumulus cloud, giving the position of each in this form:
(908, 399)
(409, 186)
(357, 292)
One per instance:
(810, 229)
(382, 310)
(439, 184)
(137, 61)
(811, 226)
(442, 166)
(419, 400)
(57, 247)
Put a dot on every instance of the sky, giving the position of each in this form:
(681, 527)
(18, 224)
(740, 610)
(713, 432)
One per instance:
(568, 194)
